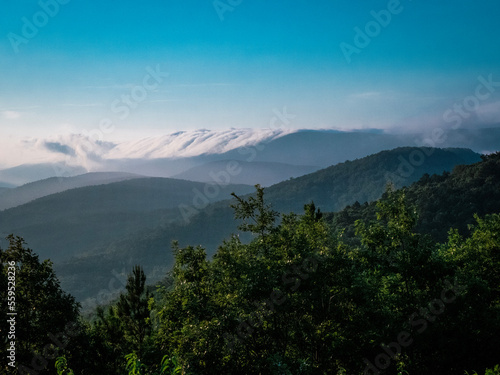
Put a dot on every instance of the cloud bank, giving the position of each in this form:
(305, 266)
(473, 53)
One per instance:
(79, 150)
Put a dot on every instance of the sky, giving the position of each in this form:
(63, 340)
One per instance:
(127, 70)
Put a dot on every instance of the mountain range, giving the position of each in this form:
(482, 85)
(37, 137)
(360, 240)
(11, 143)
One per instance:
(26, 193)
(102, 224)
(174, 154)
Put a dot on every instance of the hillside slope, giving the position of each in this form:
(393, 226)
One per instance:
(77, 220)
(38, 189)
(248, 173)
(365, 179)
(442, 201)
(27, 173)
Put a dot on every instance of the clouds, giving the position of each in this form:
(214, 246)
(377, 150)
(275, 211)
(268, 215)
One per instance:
(80, 150)
(10, 115)
(193, 143)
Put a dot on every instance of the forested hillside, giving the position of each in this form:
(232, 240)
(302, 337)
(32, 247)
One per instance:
(296, 299)
(31, 191)
(443, 201)
(76, 221)
(364, 179)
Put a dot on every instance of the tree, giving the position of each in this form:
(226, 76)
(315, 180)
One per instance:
(124, 329)
(133, 310)
(47, 317)
(261, 307)
(474, 319)
(258, 217)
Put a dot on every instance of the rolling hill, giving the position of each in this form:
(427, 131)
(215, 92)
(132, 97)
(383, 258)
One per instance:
(365, 179)
(443, 201)
(26, 173)
(76, 221)
(248, 173)
(26, 193)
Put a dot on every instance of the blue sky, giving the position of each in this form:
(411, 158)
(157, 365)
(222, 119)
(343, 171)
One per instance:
(233, 72)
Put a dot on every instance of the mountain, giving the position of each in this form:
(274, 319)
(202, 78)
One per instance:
(95, 276)
(448, 200)
(322, 148)
(365, 179)
(95, 233)
(173, 154)
(78, 220)
(31, 191)
(5, 185)
(85, 275)
(243, 172)
(26, 173)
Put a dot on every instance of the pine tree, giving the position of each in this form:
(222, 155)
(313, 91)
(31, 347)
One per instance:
(133, 311)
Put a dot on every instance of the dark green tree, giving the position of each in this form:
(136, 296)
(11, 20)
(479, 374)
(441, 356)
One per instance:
(47, 317)
(124, 328)
(133, 312)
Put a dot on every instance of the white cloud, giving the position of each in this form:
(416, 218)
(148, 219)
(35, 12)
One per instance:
(76, 149)
(193, 143)
(11, 115)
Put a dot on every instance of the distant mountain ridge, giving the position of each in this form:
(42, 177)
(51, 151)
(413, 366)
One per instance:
(365, 179)
(172, 154)
(31, 191)
(22, 174)
(75, 221)
(248, 173)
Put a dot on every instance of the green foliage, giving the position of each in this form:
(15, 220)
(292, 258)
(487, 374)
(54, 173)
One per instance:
(170, 366)
(132, 310)
(62, 366)
(44, 310)
(125, 329)
(258, 217)
(252, 304)
(293, 299)
(134, 365)
(493, 371)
